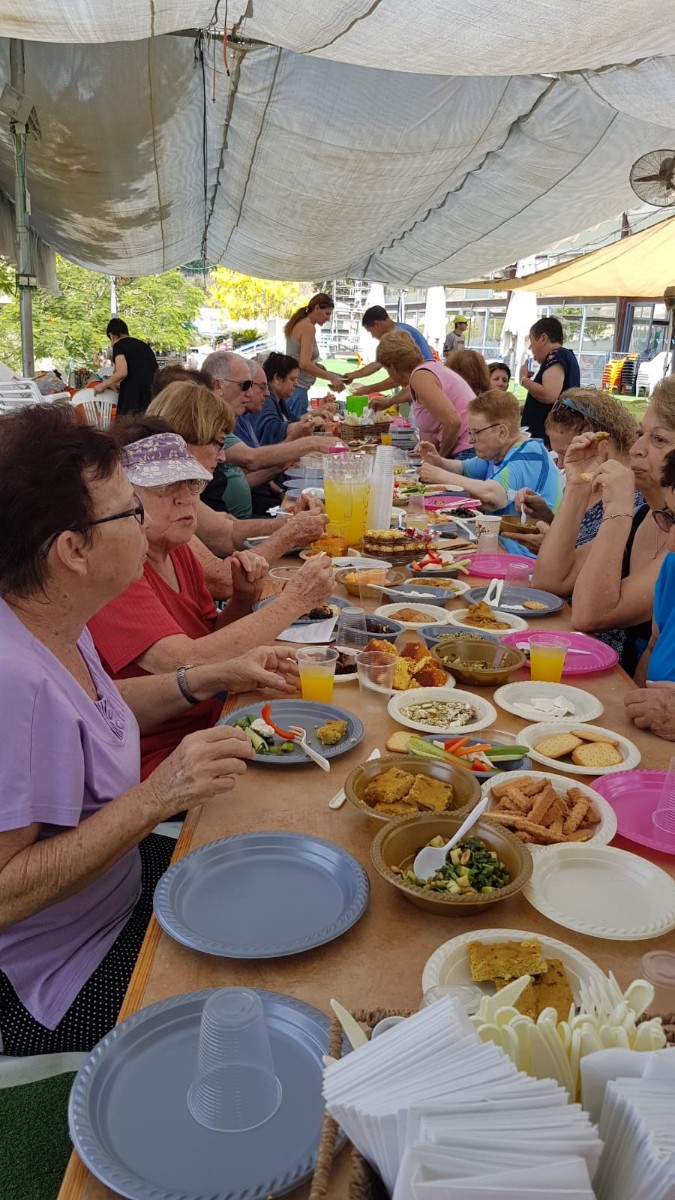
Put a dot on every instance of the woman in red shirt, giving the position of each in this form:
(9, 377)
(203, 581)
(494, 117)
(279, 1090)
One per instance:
(167, 620)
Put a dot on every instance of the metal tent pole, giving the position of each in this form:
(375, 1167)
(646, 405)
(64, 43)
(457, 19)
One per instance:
(25, 278)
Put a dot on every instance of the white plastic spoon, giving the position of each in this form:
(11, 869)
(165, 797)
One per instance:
(432, 858)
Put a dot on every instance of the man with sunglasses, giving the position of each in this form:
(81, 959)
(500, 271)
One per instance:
(652, 706)
(504, 461)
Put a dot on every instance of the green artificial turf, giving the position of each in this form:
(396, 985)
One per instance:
(34, 1142)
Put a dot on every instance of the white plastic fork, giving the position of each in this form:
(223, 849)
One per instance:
(300, 739)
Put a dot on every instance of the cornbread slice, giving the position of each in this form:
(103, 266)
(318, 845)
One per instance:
(505, 960)
(430, 793)
(398, 808)
(553, 990)
(393, 785)
(558, 745)
(527, 1001)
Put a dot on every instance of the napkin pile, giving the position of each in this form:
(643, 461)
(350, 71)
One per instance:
(440, 1114)
(638, 1126)
(314, 633)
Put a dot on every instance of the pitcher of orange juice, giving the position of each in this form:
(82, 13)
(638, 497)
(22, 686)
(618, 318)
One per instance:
(346, 483)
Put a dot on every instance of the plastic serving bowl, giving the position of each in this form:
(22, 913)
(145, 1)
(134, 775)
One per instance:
(435, 634)
(394, 576)
(397, 844)
(503, 660)
(466, 787)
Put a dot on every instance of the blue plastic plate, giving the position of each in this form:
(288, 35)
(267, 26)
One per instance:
(261, 895)
(337, 601)
(517, 596)
(521, 764)
(309, 715)
(131, 1126)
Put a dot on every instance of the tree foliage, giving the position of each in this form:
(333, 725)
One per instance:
(244, 297)
(71, 327)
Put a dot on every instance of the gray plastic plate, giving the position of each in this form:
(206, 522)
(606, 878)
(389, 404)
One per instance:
(261, 895)
(130, 1123)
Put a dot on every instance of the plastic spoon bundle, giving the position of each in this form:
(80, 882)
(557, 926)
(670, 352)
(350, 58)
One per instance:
(551, 1049)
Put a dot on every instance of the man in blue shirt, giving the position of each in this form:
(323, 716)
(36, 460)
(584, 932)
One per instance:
(378, 322)
(558, 371)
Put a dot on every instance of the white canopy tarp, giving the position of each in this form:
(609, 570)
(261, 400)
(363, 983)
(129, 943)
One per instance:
(311, 164)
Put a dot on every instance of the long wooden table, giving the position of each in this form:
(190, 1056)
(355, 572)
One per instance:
(379, 962)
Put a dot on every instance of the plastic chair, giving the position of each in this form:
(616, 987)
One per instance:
(95, 410)
(17, 393)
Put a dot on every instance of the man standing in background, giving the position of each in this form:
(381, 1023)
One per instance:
(135, 366)
(378, 322)
(456, 339)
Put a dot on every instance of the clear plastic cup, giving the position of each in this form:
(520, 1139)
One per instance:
(375, 671)
(518, 576)
(547, 658)
(371, 580)
(468, 995)
(487, 531)
(417, 516)
(351, 634)
(235, 1087)
(658, 968)
(663, 816)
(279, 577)
(317, 672)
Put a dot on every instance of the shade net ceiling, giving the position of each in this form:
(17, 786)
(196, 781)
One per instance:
(316, 159)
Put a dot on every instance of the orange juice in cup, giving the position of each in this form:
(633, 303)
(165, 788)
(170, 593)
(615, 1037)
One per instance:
(317, 672)
(547, 658)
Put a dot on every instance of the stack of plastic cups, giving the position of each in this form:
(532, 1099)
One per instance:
(381, 489)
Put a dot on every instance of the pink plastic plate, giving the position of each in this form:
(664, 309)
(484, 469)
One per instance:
(495, 566)
(452, 500)
(634, 795)
(600, 657)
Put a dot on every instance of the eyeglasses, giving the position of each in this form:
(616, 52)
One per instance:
(474, 434)
(138, 513)
(194, 486)
(664, 519)
(217, 443)
(245, 385)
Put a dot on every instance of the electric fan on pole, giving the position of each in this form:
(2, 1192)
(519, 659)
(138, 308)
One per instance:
(652, 178)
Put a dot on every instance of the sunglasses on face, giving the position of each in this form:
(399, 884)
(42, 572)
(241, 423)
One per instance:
(246, 385)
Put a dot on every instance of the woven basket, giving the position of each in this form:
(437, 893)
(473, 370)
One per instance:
(352, 433)
(364, 1183)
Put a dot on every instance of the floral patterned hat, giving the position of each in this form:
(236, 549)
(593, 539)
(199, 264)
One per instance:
(162, 458)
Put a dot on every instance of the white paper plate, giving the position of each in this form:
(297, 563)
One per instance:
(602, 892)
(586, 706)
(603, 832)
(485, 713)
(432, 615)
(351, 560)
(449, 965)
(515, 624)
(536, 733)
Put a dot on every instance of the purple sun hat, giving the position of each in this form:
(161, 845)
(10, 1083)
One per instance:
(160, 459)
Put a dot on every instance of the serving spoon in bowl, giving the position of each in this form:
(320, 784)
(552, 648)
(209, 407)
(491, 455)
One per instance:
(432, 858)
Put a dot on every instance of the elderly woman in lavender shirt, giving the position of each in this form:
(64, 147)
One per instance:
(77, 867)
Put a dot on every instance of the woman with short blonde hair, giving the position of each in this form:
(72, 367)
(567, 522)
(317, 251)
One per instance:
(194, 412)
(440, 397)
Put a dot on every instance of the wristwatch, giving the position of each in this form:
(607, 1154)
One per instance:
(182, 683)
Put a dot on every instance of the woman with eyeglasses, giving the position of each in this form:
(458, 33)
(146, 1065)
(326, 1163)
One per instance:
(579, 410)
(504, 461)
(652, 704)
(300, 332)
(78, 860)
(167, 618)
(612, 578)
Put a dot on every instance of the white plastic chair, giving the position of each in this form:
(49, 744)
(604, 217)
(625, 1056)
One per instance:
(97, 409)
(17, 393)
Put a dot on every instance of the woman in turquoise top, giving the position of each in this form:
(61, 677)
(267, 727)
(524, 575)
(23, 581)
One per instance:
(300, 333)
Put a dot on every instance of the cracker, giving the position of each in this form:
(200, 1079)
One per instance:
(546, 800)
(589, 735)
